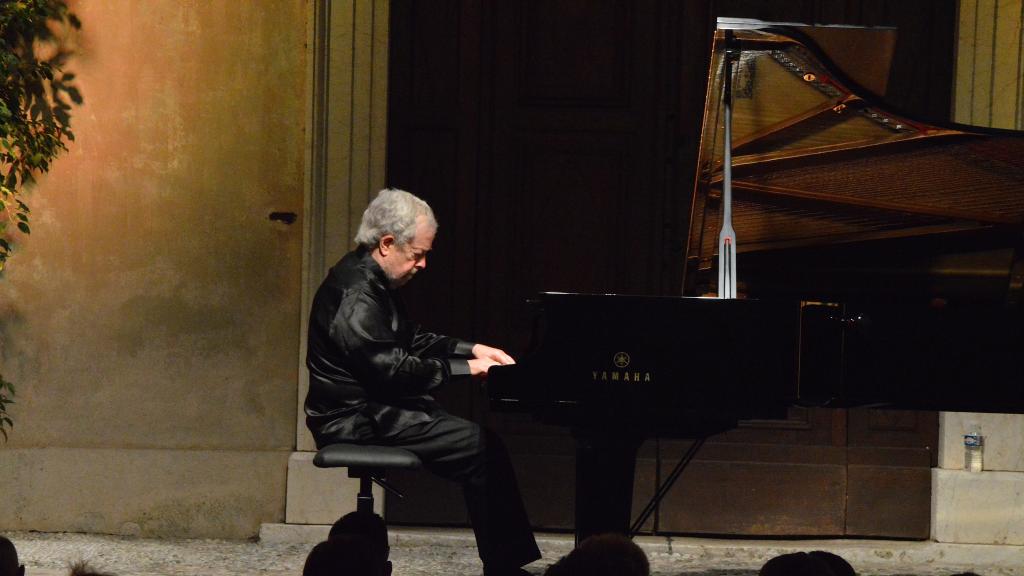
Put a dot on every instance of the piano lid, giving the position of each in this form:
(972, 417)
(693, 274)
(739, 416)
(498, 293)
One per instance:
(817, 160)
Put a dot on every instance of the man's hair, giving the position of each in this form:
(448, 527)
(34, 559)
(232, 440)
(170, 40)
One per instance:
(8, 558)
(603, 555)
(82, 568)
(394, 212)
(817, 563)
(343, 554)
(837, 564)
(366, 525)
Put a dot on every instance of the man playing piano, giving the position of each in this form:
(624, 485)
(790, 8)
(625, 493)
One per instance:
(372, 372)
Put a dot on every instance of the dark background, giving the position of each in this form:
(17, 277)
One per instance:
(556, 141)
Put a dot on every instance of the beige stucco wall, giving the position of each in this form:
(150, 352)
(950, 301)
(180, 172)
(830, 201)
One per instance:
(151, 321)
(989, 88)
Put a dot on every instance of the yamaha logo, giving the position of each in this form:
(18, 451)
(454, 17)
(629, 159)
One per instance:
(621, 361)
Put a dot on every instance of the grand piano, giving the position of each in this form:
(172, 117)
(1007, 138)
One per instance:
(879, 257)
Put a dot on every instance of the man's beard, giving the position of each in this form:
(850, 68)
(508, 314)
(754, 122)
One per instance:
(401, 280)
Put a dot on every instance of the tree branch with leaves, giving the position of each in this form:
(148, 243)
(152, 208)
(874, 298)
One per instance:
(36, 95)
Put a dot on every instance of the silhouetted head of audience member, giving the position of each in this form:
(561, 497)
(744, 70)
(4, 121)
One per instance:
(603, 555)
(9, 559)
(372, 528)
(817, 563)
(82, 568)
(838, 565)
(344, 555)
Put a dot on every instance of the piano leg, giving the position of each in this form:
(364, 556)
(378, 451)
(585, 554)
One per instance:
(604, 483)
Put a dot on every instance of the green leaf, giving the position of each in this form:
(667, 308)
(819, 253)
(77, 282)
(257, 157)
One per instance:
(35, 112)
(74, 94)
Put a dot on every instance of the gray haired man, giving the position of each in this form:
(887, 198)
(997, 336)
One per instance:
(372, 374)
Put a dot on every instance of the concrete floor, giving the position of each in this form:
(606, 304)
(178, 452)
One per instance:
(282, 549)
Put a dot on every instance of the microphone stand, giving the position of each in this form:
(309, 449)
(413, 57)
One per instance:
(727, 237)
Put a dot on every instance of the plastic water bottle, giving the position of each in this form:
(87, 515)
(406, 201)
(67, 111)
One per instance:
(974, 447)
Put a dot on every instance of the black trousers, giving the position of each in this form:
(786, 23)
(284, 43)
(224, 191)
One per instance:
(462, 451)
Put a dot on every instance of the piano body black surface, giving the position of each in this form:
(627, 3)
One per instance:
(883, 257)
(620, 369)
(653, 365)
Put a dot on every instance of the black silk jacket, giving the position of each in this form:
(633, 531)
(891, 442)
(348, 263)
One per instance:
(371, 370)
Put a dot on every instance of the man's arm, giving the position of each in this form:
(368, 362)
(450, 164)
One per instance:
(485, 352)
(373, 353)
(478, 357)
(429, 345)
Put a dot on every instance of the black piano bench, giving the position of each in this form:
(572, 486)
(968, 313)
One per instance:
(369, 464)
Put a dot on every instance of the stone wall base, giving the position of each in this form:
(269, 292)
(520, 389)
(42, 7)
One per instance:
(142, 492)
(977, 508)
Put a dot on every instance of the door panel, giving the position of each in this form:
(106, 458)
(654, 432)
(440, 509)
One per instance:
(790, 490)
